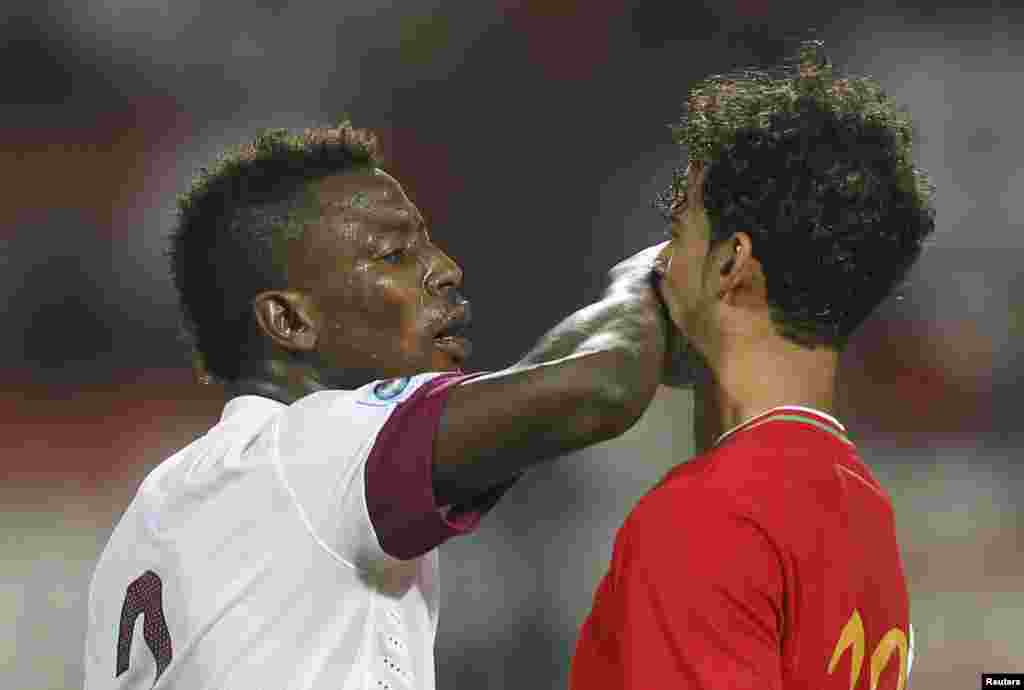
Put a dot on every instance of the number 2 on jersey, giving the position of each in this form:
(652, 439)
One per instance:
(145, 596)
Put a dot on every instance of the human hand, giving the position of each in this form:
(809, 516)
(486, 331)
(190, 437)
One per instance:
(637, 269)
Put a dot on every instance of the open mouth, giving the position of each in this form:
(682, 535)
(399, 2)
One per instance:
(456, 347)
(452, 341)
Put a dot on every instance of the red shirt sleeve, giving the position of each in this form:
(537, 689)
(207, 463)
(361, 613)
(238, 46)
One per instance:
(693, 600)
(399, 478)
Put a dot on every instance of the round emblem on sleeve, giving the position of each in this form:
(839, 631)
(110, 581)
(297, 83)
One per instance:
(386, 390)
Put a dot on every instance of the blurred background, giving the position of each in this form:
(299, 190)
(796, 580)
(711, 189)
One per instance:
(531, 134)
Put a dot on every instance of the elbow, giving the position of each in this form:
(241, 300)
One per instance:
(617, 409)
(620, 386)
(629, 386)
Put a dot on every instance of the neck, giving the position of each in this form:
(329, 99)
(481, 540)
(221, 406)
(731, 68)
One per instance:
(282, 381)
(741, 383)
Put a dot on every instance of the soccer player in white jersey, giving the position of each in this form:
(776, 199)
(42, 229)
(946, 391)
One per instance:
(293, 547)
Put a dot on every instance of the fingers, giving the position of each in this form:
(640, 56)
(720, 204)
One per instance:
(651, 252)
(644, 258)
(641, 269)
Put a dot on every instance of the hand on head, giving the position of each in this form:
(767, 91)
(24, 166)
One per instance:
(640, 267)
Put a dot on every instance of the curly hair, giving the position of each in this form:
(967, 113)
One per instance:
(817, 170)
(235, 219)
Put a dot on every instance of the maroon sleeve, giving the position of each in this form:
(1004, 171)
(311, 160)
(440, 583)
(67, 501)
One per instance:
(399, 478)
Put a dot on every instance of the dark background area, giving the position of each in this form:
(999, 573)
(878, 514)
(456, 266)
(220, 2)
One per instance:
(532, 136)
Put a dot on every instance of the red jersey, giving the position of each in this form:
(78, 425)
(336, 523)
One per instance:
(768, 562)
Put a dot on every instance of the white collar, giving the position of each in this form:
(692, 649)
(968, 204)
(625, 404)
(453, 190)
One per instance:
(773, 410)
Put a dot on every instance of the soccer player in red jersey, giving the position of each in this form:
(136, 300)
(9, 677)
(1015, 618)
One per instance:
(770, 560)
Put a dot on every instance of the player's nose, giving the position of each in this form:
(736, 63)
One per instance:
(444, 275)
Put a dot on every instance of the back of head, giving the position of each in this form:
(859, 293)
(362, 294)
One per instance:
(233, 224)
(817, 169)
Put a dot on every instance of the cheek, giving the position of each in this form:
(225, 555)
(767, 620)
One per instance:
(670, 295)
(375, 300)
(366, 315)
(394, 309)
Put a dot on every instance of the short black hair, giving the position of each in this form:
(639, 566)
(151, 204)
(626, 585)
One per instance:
(818, 170)
(232, 223)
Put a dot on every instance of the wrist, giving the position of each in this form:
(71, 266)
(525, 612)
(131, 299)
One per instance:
(640, 283)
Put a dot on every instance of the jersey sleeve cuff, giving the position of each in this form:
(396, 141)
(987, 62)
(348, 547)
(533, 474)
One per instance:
(399, 478)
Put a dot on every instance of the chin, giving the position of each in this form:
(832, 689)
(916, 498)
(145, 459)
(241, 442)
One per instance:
(444, 363)
(449, 354)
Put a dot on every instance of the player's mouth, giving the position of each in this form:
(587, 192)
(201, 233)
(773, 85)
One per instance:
(450, 338)
(456, 347)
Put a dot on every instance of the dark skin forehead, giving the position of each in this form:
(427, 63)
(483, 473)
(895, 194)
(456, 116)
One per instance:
(357, 215)
(370, 195)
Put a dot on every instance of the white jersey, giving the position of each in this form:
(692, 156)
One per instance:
(290, 548)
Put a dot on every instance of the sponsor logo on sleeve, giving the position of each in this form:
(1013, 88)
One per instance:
(390, 389)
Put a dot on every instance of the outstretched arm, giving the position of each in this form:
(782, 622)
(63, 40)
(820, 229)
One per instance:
(587, 380)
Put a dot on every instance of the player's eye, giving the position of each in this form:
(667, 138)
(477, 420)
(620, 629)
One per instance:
(394, 257)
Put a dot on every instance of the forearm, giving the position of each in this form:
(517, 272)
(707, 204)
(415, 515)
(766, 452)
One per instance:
(619, 342)
(588, 380)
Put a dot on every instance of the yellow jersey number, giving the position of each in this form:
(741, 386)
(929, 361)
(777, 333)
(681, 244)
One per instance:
(852, 638)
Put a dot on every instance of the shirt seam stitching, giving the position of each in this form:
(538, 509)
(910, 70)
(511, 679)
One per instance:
(306, 523)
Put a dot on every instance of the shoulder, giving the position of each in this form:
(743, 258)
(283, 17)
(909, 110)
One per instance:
(396, 391)
(787, 436)
(766, 476)
(796, 479)
(733, 478)
(336, 422)
(781, 463)
(379, 393)
(694, 499)
(373, 401)
(686, 528)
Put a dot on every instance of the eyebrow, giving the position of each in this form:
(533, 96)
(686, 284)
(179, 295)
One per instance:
(393, 218)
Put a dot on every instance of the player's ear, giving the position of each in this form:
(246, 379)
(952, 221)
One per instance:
(286, 317)
(200, 373)
(739, 271)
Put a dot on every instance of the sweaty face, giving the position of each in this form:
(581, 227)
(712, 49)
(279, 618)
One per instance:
(386, 299)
